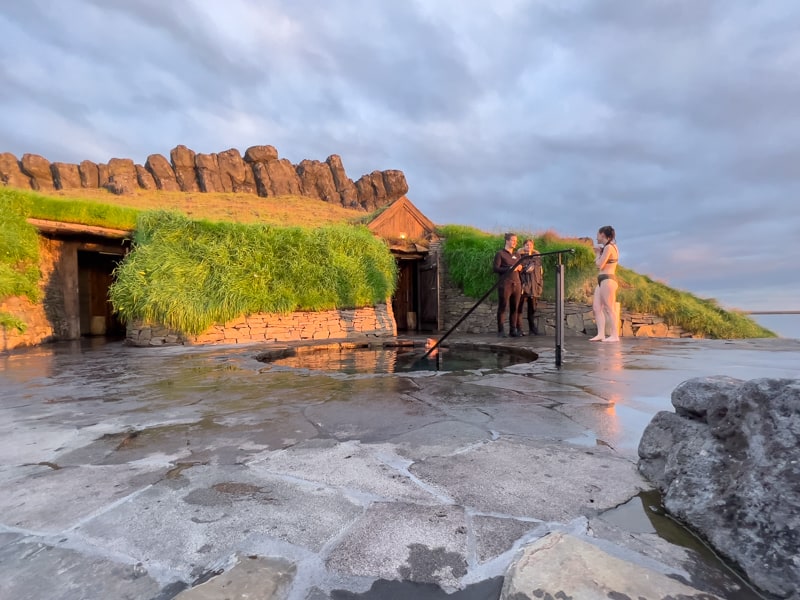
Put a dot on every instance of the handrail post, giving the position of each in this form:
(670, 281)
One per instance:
(559, 310)
(559, 269)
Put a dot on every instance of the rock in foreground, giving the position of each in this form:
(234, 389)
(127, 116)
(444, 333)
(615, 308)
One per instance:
(727, 462)
(562, 566)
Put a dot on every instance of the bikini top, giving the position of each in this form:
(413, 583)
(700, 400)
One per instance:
(616, 258)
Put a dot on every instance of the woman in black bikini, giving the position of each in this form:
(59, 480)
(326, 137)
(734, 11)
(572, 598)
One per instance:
(605, 295)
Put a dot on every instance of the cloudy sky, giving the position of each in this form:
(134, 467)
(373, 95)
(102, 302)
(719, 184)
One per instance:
(677, 122)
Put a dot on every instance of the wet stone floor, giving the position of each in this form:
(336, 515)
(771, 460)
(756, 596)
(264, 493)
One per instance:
(140, 472)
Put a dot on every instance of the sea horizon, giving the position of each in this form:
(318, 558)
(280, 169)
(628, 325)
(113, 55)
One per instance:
(785, 325)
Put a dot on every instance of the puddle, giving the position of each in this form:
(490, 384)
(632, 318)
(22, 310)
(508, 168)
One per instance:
(645, 513)
(383, 589)
(393, 359)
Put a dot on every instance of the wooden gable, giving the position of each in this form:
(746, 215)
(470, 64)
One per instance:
(403, 221)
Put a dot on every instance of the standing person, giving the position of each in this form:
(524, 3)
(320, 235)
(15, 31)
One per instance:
(532, 280)
(510, 288)
(605, 295)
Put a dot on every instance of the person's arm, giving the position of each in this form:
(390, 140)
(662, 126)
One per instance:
(498, 266)
(603, 256)
(538, 271)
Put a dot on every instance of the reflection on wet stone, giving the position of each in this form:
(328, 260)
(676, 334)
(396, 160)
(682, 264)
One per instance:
(361, 478)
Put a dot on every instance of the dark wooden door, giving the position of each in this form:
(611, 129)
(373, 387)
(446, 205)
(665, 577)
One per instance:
(403, 301)
(428, 294)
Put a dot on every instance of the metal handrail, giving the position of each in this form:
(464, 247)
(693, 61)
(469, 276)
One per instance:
(489, 291)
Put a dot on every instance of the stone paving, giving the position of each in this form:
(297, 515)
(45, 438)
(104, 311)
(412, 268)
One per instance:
(201, 472)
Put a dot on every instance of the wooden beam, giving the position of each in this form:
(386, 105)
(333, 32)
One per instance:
(118, 250)
(58, 227)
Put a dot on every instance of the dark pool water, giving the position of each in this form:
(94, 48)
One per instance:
(397, 359)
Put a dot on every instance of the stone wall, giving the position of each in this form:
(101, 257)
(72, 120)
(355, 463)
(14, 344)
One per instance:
(350, 324)
(579, 318)
(259, 171)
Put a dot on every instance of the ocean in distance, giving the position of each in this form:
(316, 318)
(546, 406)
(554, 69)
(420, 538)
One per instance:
(785, 326)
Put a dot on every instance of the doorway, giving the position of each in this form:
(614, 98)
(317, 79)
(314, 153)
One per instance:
(95, 276)
(416, 300)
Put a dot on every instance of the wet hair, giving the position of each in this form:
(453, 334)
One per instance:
(608, 231)
(509, 235)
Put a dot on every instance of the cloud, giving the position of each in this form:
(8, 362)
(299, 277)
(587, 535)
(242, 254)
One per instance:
(673, 121)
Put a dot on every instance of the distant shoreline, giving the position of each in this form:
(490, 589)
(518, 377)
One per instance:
(772, 312)
(785, 323)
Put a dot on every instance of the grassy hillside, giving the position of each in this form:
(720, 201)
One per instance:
(283, 211)
(19, 254)
(243, 235)
(469, 253)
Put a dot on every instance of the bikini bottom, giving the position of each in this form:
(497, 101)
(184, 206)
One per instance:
(603, 276)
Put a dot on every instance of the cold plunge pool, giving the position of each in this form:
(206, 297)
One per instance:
(353, 358)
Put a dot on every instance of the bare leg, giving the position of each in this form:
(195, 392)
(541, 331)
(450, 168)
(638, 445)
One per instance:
(609, 299)
(599, 316)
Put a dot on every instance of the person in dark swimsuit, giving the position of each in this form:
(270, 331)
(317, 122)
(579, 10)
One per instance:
(510, 288)
(605, 295)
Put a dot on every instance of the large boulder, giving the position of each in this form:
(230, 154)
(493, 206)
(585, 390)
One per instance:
(727, 462)
(103, 175)
(560, 565)
(208, 176)
(371, 191)
(256, 154)
(277, 178)
(344, 185)
(235, 174)
(394, 182)
(317, 181)
(66, 176)
(122, 178)
(145, 178)
(89, 173)
(10, 172)
(162, 173)
(183, 164)
(38, 169)
(380, 188)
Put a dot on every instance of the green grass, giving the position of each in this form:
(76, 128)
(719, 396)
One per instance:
(86, 212)
(469, 254)
(189, 274)
(19, 254)
(639, 293)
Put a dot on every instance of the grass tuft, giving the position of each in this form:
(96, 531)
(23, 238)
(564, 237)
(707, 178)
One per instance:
(189, 274)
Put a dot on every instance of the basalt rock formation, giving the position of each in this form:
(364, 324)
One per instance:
(728, 463)
(260, 172)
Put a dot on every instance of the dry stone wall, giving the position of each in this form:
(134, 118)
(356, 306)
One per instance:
(260, 172)
(350, 324)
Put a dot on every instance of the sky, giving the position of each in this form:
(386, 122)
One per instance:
(677, 122)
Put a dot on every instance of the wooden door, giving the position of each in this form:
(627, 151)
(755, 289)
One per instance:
(403, 301)
(428, 294)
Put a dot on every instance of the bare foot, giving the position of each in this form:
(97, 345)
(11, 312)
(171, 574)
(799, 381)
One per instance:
(611, 338)
(597, 338)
